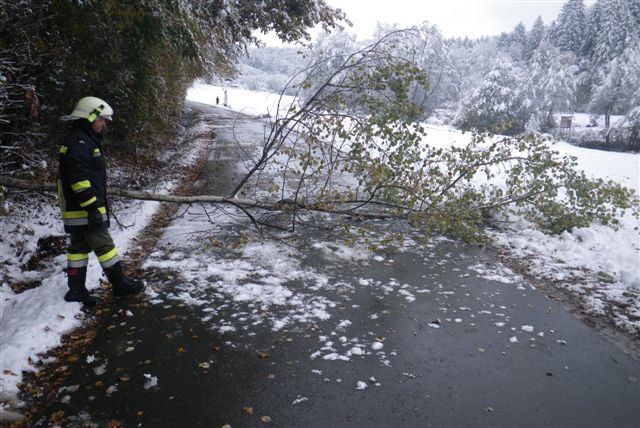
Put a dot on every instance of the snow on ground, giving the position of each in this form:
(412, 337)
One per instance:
(33, 321)
(254, 103)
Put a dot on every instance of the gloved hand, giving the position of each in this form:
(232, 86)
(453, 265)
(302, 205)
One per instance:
(95, 219)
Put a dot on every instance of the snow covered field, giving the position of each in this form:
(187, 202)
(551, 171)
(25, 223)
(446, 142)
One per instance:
(35, 320)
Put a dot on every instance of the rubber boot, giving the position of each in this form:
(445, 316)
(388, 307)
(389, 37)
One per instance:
(76, 278)
(122, 286)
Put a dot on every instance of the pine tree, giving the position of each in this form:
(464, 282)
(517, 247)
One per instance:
(618, 30)
(592, 31)
(549, 87)
(634, 7)
(495, 103)
(534, 38)
(569, 29)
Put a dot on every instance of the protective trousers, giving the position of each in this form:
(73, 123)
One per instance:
(97, 240)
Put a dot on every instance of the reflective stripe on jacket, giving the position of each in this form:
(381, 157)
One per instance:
(82, 182)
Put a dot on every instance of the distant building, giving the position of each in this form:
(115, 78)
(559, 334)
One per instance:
(565, 121)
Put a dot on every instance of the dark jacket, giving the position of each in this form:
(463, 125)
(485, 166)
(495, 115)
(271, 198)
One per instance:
(82, 182)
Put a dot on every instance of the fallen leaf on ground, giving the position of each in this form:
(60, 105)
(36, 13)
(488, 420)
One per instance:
(248, 410)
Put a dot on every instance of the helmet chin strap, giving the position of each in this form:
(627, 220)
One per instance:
(95, 113)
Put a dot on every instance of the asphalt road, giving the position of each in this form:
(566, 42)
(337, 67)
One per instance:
(448, 337)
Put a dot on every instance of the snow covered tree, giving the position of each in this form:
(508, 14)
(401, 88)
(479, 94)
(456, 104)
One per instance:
(495, 103)
(423, 46)
(327, 56)
(515, 42)
(552, 83)
(568, 32)
(627, 132)
(617, 84)
(618, 29)
(140, 56)
(534, 37)
(469, 66)
(593, 28)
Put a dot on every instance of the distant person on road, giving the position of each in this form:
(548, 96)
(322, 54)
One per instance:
(226, 99)
(217, 100)
(82, 193)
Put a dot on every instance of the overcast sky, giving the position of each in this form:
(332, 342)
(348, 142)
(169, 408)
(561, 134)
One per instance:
(473, 18)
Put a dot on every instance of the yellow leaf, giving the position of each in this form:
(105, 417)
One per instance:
(248, 410)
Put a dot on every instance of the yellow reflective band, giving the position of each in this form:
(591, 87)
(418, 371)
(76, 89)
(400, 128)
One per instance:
(81, 214)
(80, 185)
(89, 202)
(95, 113)
(77, 257)
(96, 152)
(60, 197)
(63, 149)
(108, 256)
(74, 214)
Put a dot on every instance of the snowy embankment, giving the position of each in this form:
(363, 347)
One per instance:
(597, 263)
(33, 321)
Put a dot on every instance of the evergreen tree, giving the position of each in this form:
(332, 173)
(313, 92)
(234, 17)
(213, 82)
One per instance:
(534, 37)
(593, 27)
(568, 33)
(495, 103)
(514, 43)
(634, 7)
(617, 85)
(618, 29)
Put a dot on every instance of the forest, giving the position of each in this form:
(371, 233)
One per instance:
(587, 60)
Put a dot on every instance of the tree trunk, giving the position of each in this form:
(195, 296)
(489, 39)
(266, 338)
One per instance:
(132, 194)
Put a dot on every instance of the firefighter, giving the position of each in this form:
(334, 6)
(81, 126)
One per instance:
(82, 194)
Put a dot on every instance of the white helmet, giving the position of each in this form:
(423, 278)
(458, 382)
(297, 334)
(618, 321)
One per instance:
(90, 108)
